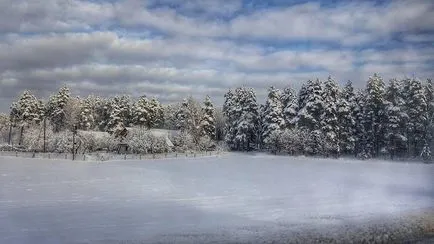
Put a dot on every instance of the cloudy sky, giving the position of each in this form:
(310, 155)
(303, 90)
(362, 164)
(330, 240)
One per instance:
(173, 48)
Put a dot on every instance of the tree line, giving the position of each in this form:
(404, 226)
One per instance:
(320, 119)
(324, 119)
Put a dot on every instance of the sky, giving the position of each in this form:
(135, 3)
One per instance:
(171, 49)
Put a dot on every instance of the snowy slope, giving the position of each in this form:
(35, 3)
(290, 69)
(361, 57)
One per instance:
(230, 198)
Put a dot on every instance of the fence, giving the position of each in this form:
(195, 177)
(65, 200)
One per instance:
(105, 156)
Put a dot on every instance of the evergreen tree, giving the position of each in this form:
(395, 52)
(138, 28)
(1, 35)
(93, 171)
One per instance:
(208, 118)
(311, 106)
(329, 121)
(125, 108)
(86, 116)
(155, 113)
(396, 142)
(231, 114)
(141, 114)
(429, 130)
(360, 133)
(102, 112)
(189, 118)
(115, 124)
(27, 110)
(346, 112)
(273, 119)
(374, 116)
(416, 109)
(247, 126)
(290, 108)
(242, 119)
(56, 109)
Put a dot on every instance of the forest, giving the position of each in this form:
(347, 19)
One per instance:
(392, 120)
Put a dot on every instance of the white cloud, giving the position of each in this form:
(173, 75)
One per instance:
(52, 15)
(200, 53)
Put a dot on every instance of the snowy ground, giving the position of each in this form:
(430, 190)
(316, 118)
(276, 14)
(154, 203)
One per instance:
(231, 198)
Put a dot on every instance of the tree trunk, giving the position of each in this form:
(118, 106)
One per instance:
(10, 134)
(21, 135)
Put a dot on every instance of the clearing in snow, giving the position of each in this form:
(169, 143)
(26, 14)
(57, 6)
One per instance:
(232, 198)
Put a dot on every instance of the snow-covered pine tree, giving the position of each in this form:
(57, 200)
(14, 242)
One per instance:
(102, 112)
(247, 125)
(56, 109)
(360, 134)
(182, 116)
(141, 114)
(169, 116)
(396, 142)
(329, 122)
(27, 110)
(115, 124)
(124, 104)
(346, 111)
(272, 116)
(374, 116)
(241, 111)
(86, 116)
(231, 114)
(189, 118)
(290, 108)
(416, 109)
(311, 105)
(208, 118)
(429, 95)
(155, 113)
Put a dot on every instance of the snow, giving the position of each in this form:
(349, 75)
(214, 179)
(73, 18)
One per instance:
(235, 197)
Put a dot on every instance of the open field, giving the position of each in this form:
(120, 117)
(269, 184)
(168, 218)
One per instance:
(229, 198)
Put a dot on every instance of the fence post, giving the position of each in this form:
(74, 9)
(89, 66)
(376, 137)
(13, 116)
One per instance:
(125, 156)
(153, 155)
(140, 156)
(66, 156)
(16, 153)
(84, 157)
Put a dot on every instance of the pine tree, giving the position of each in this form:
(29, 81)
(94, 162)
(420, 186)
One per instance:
(290, 108)
(429, 128)
(374, 116)
(124, 104)
(311, 106)
(115, 124)
(86, 116)
(27, 110)
(273, 119)
(56, 109)
(360, 133)
(242, 119)
(231, 113)
(155, 113)
(102, 112)
(141, 114)
(247, 126)
(329, 121)
(208, 118)
(346, 112)
(189, 118)
(416, 108)
(396, 142)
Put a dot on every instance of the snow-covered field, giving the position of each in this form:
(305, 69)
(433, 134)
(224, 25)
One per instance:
(230, 198)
